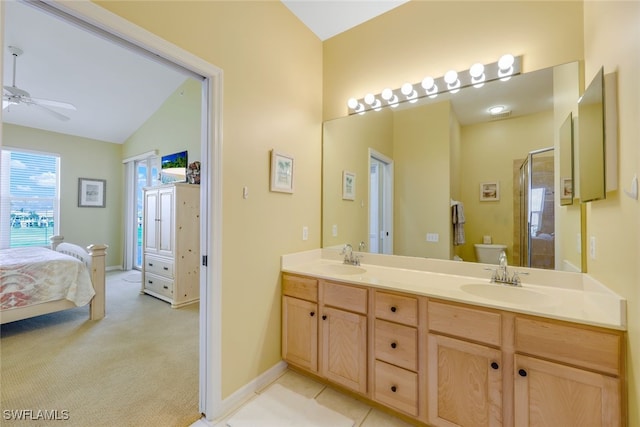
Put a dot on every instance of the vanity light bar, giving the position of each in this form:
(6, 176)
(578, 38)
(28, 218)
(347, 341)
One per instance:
(477, 75)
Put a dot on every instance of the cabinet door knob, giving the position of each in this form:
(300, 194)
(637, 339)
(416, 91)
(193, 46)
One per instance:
(324, 317)
(522, 372)
(394, 308)
(494, 365)
(394, 345)
(394, 388)
(313, 313)
(150, 264)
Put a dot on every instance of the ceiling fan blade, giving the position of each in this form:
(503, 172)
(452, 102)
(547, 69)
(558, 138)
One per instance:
(15, 91)
(51, 112)
(50, 103)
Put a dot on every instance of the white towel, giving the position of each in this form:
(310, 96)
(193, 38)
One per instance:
(458, 224)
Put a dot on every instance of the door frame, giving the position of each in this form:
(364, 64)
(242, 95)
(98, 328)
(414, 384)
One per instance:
(387, 190)
(95, 18)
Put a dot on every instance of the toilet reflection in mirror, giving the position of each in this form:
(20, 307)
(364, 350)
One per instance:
(442, 149)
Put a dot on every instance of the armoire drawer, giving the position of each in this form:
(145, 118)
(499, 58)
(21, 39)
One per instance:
(158, 284)
(159, 266)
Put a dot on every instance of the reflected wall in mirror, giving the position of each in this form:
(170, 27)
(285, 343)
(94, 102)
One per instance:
(565, 142)
(591, 136)
(437, 153)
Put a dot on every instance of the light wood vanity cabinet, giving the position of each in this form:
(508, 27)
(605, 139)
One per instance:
(465, 367)
(567, 375)
(325, 329)
(452, 364)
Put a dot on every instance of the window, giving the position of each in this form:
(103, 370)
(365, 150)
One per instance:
(30, 198)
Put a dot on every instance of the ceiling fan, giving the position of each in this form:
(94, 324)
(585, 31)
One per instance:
(13, 95)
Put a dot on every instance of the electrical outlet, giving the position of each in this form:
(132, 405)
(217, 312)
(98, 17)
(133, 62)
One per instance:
(592, 247)
(433, 237)
(305, 233)
(334, 230)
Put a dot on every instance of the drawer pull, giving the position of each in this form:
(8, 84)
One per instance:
(394, 308)
(166, 287)
(394, 388)
(150, 282)
(165, 268)
(324, 317)
(522, 372)
(394, 344)
(494, 365)
(150, 264)
(313, 313)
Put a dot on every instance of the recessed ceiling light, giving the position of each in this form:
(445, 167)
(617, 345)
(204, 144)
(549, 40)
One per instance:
(496, 109)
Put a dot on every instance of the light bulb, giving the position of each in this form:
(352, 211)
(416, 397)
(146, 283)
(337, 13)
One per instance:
(352, 103)
(407, 89)
(450, 77)
(505, 62)
(369, 99)
(387, 94)
(476, 70)
(428, 83)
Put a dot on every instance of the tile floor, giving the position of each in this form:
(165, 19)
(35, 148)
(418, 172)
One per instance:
(362, 414)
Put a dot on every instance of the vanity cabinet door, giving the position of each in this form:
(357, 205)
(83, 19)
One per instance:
(552, 394)
(344, 348)
(464, 383)
(300, 332)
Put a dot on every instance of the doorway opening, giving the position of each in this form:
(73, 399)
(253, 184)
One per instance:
(380, 203)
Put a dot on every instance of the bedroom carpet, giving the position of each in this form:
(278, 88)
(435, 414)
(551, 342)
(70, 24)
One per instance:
(136, 367)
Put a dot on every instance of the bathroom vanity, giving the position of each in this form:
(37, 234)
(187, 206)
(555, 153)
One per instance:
(435, 342)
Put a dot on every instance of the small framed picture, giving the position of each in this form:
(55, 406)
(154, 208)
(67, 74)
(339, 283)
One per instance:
(348, 185)
(281, 172)
(489, 191)
(92, 193)
(566, 188)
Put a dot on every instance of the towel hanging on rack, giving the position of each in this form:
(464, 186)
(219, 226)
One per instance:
(457, 212)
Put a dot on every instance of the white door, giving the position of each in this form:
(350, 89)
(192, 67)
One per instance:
(380, 203)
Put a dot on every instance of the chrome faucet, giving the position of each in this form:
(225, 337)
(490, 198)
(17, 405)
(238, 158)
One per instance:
(501, 274)
(349, 257)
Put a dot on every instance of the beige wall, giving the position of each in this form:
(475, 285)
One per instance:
(174, 127)
(81, 158)
(487, 154)
(431, 37)
(272, 68)
(612, 40)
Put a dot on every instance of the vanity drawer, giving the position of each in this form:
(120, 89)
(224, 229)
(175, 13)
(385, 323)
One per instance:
(396, 308)
(158, 284)
(343, 296)
(300, 287)
(159, 266)
(396, 387)
(396, 344)
(465, 322)
(588, 348)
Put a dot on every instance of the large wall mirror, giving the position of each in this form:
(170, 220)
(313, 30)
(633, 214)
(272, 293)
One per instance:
(418, 167)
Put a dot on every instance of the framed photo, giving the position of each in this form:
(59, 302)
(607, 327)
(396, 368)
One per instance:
(281, 172)
(348, 185)
(566, 188)
(92, 193)
(489, 191)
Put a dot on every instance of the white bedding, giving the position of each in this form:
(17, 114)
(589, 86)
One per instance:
(31, 276)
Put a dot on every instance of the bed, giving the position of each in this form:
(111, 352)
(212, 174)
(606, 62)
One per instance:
(36, 281)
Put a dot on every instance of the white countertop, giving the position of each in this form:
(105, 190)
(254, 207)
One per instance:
(574, 297)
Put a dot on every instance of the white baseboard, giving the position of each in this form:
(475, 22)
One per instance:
(244, 393)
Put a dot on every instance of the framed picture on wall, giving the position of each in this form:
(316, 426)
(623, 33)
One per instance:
(489, 191)
(92, 193)
(281, 172)
(566, 187)
(348, 185)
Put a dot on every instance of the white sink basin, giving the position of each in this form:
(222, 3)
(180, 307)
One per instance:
(508, 294)
(343, 269)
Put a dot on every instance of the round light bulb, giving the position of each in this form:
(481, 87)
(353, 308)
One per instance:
(506, 61)
(428, 83)
(369, 99)
(352, 103)
(476, 70)
(451, 76)
(407, 89)
(387, 94)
